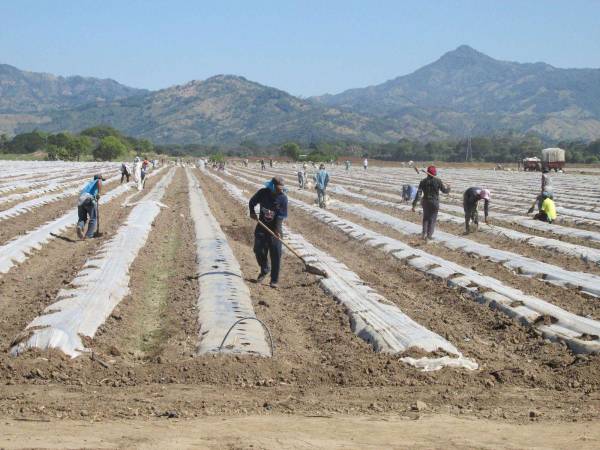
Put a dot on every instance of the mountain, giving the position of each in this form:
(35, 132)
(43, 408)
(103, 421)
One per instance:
(463, 92)
(466, 91)
(28, 92)
(227, 109)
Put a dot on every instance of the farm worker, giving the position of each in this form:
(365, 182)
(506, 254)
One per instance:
(470, 199)
(347, 165)
(547, 182)
(262, 164)
(365, 164)
(137, 172)
(548, 209)
(145, 165)
(321, 182)
(124, 172)
(301, 178)
(430, 188)
(546, 187)
(273, 210)
(409, 192)
(271, 162)
(87, 206)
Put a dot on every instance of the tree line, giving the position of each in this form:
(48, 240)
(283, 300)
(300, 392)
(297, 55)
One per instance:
(508, 148)
(104, 143)
(99, 143)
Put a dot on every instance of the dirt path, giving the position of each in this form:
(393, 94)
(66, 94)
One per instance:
(157, 319)
(289, 432)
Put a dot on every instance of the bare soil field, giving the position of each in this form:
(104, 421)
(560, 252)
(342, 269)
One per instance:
(142, 383)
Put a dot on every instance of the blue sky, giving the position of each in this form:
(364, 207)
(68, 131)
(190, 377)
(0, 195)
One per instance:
(303, 47)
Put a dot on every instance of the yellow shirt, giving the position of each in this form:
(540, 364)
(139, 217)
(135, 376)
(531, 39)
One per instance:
(549, 208)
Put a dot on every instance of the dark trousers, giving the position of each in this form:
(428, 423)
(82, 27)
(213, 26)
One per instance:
(89, 207)
(123, 176)
(266, 245)
(321, 197)
(430, 212)
(470, 214)
(542, 216)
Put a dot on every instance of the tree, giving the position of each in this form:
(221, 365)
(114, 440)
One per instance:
(101, 131)
(3, 142)
(143, 146)
(79, 145)
(27, 142)
(55, 152)
(291, 150)
(110, 148)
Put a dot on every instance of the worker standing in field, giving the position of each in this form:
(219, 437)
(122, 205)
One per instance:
(273, 211)
(409, 192)
(301, 178)
(347, 165)
(471, 198)
(321, 182)
(430, 188)
(366, 164)
(262, 164)
(547, 210)
(87, 207)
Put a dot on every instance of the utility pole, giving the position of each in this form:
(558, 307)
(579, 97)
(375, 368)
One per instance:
(469, 155)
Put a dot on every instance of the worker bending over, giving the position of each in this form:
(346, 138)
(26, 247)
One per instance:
(87, 207)
(124, 172)
(321, 182)
(430, 188)
(547, 211)
(471, 198)
(273, 210)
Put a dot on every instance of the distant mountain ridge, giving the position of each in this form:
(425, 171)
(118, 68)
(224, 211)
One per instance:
(28, 92)
(227, 109)
(466, 91)
(463, 92)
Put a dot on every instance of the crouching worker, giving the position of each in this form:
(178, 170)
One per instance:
(409, 192)
(548, 209)
(87, 207)
(273, 210)
(471, 198)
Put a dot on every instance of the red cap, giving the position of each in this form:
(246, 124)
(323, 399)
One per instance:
(431, 171)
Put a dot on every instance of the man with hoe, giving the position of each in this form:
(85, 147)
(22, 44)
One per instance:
(273, 210)
(87, 206)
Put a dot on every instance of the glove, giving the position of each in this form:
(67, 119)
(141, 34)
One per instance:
(253, 216)
(97, 197)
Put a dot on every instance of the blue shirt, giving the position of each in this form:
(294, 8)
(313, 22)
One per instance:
(273, 207)
(322, 179)
(90, 188)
